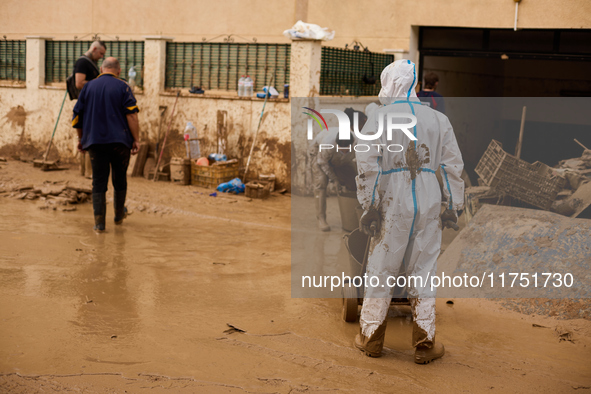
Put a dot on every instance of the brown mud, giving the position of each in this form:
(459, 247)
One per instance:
(145, 307)
(416, 156)
(17, 116)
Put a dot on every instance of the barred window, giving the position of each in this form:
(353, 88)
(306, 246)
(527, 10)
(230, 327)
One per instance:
(13, 56)
(60, 57)
(220, 65)
(346, 72)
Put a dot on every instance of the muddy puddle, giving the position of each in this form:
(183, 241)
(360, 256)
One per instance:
(148, 304)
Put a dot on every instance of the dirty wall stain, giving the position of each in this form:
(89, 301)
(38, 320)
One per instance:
(17, 116)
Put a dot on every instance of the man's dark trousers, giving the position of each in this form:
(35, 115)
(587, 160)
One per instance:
(105, 157)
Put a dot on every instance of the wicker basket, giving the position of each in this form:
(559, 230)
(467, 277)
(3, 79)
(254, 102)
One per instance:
(212, 176)
(517, 178)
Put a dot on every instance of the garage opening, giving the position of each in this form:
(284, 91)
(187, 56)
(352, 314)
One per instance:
(479, 62)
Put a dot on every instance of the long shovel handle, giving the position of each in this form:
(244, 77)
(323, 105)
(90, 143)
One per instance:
(166, 136)
(54, 128)
(258, 127)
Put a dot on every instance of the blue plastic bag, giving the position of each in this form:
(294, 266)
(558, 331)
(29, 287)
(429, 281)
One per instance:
(233, 186)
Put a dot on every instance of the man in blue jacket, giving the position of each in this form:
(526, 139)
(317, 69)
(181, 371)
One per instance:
(106, 119)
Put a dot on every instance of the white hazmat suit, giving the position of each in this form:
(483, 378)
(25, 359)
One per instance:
(403, 187)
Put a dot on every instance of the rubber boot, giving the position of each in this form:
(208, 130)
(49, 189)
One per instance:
(99, 205)
(372, 346)
(425, 354)
(119, 203)
(320, 197)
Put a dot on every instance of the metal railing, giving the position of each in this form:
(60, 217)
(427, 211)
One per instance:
(346, 72)
(220, 65)
(60, 57)
(13, 56)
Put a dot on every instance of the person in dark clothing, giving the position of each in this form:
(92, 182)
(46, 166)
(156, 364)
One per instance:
(429, 95)
(86, 68)
(106, 119)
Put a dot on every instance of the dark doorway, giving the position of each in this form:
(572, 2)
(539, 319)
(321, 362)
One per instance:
(478, 62)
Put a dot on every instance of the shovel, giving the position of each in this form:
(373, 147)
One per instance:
(45, 164)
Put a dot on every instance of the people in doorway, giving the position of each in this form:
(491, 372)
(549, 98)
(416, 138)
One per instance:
(428, 94)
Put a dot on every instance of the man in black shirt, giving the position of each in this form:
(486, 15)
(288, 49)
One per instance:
(86, 67)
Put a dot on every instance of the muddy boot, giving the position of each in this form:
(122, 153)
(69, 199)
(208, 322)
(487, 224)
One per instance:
(119, 203)
(425, 354)
(320, 197)
(99, 205)
(372, 346)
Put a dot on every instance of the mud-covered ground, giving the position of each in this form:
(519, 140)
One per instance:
(145, 307)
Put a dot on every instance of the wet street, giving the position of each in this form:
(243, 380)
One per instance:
(193, 294)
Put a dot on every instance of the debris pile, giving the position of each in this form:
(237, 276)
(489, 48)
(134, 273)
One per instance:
(564, 189)
(54, 195)
(575, 199)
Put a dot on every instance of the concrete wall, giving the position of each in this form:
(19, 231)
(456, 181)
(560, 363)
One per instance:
(378, 24)
(28, 116)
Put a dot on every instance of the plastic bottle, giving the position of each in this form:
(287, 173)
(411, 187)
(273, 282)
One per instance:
(193, 143)
(217, 157)
(131, 74)
(241, 86)
(248, 87)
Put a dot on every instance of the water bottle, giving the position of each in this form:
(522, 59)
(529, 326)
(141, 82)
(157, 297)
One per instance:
(241, 86)
(131, 74)
(217, 157)
(193, 143)
(248, 87)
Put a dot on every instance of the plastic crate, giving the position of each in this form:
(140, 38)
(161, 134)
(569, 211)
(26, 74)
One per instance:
(258, 189)
(517, 178)
(212, 176)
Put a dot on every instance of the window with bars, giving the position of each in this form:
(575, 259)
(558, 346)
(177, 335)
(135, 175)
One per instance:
(60, 57)
(220, 65)
(346, 72)
(13, 56)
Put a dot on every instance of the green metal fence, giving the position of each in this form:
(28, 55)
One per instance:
(346, 72)
(220, 65)
(60, 57)
(13, 56)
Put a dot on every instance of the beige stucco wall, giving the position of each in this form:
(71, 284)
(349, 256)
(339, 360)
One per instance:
(386, 24)
(27, 120)
(186, 20)
(27, 116)
(378, 24)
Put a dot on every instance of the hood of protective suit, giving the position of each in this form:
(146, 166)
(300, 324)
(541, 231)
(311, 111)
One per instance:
(399, 80)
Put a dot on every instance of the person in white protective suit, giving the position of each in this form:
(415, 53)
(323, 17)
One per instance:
(400, 193)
